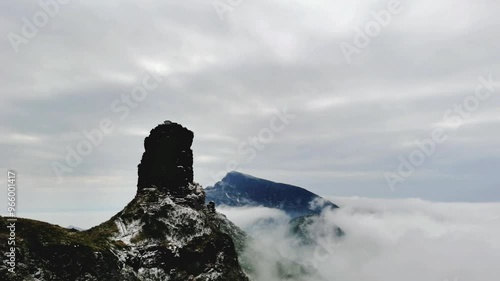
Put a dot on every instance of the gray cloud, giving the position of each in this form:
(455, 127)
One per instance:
(225, 79)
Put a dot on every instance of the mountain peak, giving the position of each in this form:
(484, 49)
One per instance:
(239, 189)
(236, 174)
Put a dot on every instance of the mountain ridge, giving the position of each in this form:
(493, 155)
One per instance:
(237, 189)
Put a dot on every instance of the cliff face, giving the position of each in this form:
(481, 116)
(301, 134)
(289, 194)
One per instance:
(165, 233)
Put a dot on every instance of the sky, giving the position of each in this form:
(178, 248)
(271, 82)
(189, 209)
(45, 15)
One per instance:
(386, 99)
(385, 239)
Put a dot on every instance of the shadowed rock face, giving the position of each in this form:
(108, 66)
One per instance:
(167, 162)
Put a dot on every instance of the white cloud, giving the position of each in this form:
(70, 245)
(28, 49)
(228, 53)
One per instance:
(392, 240)
(246, 217)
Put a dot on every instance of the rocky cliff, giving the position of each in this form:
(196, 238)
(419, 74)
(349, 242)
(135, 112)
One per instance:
(165, 233)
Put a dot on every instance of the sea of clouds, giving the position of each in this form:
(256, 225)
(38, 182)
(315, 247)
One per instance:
(385, 240)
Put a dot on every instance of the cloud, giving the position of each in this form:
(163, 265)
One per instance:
(225, 79)
(405, 239)
(246, 217)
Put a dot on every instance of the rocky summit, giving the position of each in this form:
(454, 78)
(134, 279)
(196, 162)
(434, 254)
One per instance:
(165, 233)
(167, 162)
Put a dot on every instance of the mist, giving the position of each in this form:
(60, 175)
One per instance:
(406, 239)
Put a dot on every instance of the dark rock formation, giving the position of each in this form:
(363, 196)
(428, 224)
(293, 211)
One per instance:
(165, 233)
(167, 162)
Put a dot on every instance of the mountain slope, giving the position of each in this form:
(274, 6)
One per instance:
(165, 233)
(238, 189)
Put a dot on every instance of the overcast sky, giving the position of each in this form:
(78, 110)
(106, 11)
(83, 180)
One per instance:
(225, 71)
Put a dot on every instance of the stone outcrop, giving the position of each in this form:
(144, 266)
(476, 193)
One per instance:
(167, 162)
(165, 233)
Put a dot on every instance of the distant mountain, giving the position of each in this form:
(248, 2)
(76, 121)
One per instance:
(241, 190)
(238, 189)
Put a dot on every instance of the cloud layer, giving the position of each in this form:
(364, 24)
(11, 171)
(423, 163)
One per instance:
(392, 240)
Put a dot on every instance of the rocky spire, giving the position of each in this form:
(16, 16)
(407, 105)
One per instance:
(167, 162)
(165, 233)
